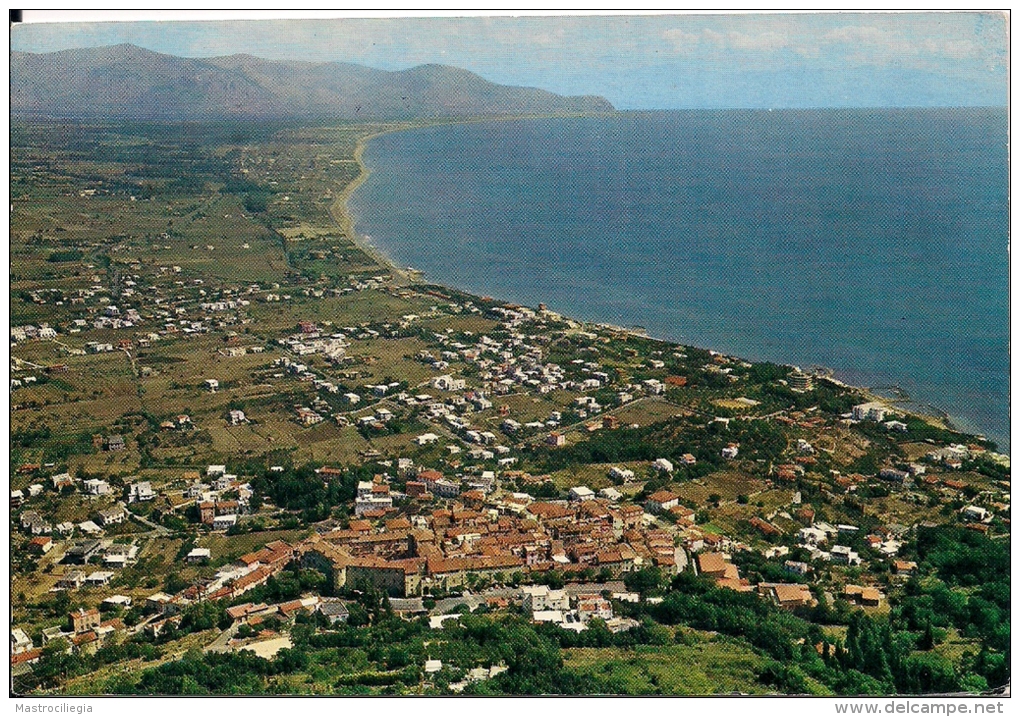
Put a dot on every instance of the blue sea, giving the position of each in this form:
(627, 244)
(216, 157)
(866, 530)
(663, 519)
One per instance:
(869, 241)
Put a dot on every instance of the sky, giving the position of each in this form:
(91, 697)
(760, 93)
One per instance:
(635, 61)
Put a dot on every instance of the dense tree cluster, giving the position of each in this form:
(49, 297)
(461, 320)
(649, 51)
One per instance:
(671, 439)
(302, 489)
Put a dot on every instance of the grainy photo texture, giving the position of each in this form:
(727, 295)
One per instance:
(588, 355)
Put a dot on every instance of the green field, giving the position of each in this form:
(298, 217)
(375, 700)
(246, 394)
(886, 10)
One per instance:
(708, 667)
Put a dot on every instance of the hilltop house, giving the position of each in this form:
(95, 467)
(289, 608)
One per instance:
(663, 465)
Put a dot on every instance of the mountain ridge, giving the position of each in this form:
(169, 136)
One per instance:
(129, 82)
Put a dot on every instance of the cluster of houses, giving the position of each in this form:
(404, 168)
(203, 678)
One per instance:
(571, 612)
(33, 523)
(517, 363)
(30, 331)
(237, 578)
(820, 533)
(463, 528)
(254, 614)
(310, 341)
(718, 567)
(113, 318)
(484, 532)
(84, 631)
(213, 507)
(180, 422)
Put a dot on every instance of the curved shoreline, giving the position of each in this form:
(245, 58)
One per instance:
(341, 215)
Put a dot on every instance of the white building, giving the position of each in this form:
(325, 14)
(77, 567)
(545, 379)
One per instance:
(94, 486)
(623, 474)
(198, 555)
(869, 412)
(141, 492)
(20, 641)
(448, 383)
(663, 465)
(581, 493)
(99, 578)
(593, 606)
(118, 601)
(845, 555)
(553, 616)
(974, 512)
(538, 598)
(611, 494)
(812, 536)
(365, 504)
(224, 522)
(444, 488)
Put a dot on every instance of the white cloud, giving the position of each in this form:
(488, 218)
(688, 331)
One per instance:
(888, 39)
(681, 40)
(873, 39)
(761, 42)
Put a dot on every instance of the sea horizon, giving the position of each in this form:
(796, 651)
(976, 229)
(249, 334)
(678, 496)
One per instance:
(450, 200)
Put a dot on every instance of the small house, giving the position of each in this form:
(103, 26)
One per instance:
(224, 522)
(333, 609)
(198, 555)
(40, 545)
(661, 501)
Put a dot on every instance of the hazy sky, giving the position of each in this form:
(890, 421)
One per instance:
(637, 62)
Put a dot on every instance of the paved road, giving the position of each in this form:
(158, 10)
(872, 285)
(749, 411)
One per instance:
(221, 642)
(158, 529)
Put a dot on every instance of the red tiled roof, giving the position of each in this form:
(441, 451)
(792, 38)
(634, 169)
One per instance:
(27, 656)
(84, 638)
(219, 594)
(712, 563)
(256, 577)
(488, 562)
(792, 593)
(549, 510)
(291, 606)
